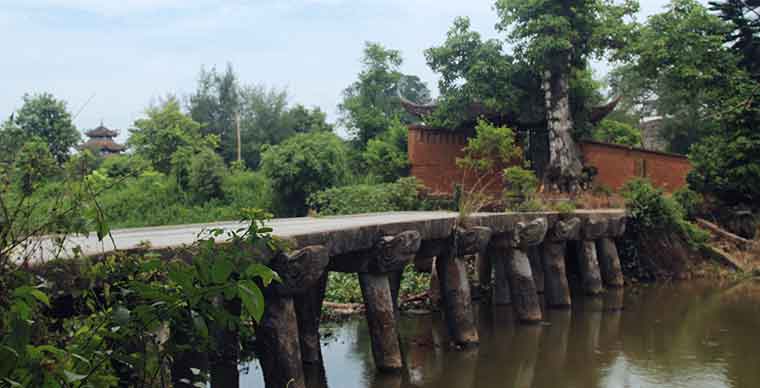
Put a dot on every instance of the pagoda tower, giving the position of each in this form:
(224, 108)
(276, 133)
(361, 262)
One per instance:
(102, 141)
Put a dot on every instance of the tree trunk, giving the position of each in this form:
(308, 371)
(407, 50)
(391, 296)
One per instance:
(565, 166)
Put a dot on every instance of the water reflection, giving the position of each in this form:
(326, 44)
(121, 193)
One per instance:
(679, 335)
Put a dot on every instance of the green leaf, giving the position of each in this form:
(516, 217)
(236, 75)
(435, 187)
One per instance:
(72, 377)
(252, 298)
(150, 265)
(182, 276)
(261, 271)
(40, 296)
(200, 324)
(121, 315)
(221, 271)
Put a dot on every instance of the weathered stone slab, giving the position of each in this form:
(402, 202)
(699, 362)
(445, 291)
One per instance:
(564, 230)
(299, 270)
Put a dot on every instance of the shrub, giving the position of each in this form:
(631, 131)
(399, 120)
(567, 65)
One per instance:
(386, 155)
(564, 207)
(521, 186)
(243, 188)
(205, 175)
(364, 198)
(690, 201)
(303, 165)
(652, 212)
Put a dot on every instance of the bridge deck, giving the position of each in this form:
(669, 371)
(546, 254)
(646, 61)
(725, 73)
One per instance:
(340, 233)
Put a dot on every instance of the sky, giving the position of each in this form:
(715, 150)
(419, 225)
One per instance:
(109, 59)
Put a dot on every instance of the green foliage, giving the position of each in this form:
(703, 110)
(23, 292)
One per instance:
(113, 339)
(744, 17)
(205, 176)
(476, 71)
(215, 104)
(727, 167)
(165, 130)
(386, 155)
(492, 146)
(44, 117)
(651, 212)
(302, 165)
(690, 201)
(550, 34)
(681, 67)
(564, 207)
(34, 164)
(521, 186)
(344, 287)
(616, 132)
(367, 198)
(371, 104)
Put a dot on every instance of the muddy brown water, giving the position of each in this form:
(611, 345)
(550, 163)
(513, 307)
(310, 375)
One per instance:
(672, 335)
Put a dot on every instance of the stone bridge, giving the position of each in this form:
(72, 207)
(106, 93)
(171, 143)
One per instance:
(522, 254)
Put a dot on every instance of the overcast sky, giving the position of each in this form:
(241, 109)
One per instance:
(129, 52)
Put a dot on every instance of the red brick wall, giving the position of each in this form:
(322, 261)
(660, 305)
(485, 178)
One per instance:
(433, 155)
(618, 164)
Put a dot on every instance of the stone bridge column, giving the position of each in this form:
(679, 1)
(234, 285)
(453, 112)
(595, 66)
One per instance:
(278, 340)
(454, 284)
(593, 229)
(379, 270)
(609, 261)
(521, 282)
(557, 290)
(499, 257)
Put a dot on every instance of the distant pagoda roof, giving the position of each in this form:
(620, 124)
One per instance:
(108, 145)
(102, 131)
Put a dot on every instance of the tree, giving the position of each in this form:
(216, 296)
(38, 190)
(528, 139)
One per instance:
(302, 119)
(476, 71)
(215, 104)
(302, 165)
(263, 120)
(616, 132)
(681, 71)
(206, 175)
(372, 102)
(45, 117)
(386, 155)
(744, 37)
(558, 38)
(165, 130)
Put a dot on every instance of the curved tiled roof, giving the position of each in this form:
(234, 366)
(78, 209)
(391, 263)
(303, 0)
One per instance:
(102, 131)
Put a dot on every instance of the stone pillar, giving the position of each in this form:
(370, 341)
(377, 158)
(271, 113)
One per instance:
(380, 280)
(381, 319)
(534, 256)
(521, 283)
(609, 263)
(593, 229)
(522, 288)
(589, 266)
(557, 290)
(309, 311)
(500, 290)
(278, 344)
(455, 286)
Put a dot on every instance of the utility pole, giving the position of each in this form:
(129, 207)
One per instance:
(237, 127)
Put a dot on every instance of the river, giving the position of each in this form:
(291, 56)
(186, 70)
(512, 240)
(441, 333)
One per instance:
(686, 334)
